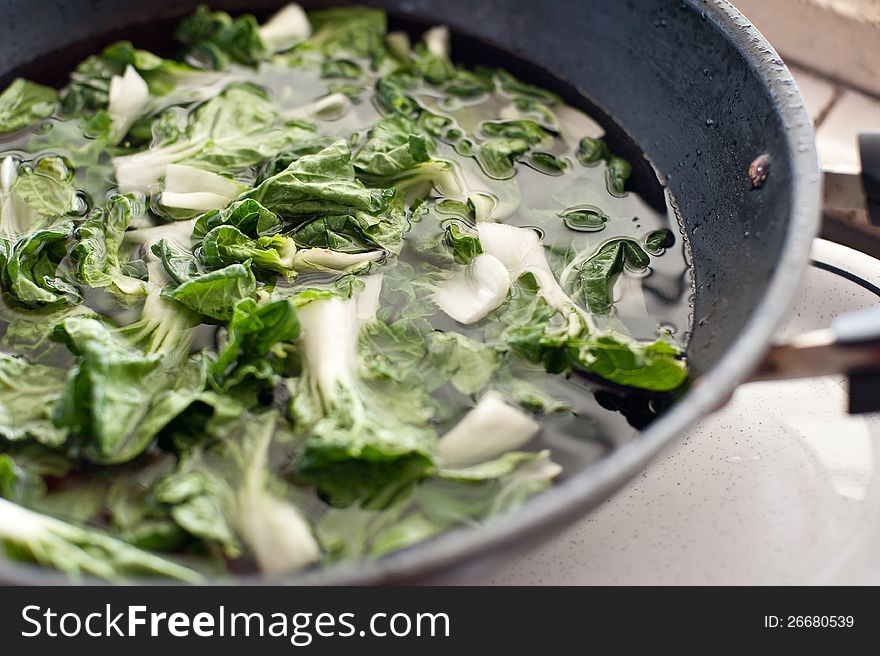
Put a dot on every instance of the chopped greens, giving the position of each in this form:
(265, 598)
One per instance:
(308, 292)
(23, 103)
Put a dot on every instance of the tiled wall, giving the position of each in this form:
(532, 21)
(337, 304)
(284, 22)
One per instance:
(833, 49)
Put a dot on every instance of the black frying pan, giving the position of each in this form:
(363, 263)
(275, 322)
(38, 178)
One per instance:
(699, 91)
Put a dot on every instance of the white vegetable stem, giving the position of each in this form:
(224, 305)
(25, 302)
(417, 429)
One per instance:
(326, 259)
(484, 205)
(178, 232)
(76, 550)
(474, 291)
(188, 187)
(521, 251)
(16, 217)
(367, 301)
(129, 96)
(328, 338)
(437, 41)
(276, 532)
(490, 429)
(329, 108)
(23, 525)
(140, 171)
(399, 45)
(286, 28)
(196, 200)
(460, 181)
(274, 529)
(165, 326)
(8, 173)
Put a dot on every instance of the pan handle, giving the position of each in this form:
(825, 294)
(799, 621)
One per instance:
(851, 346)
(852, 343)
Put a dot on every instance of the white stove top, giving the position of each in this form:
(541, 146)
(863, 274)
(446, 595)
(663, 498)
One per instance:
(779, 487)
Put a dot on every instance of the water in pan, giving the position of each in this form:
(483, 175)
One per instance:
(543, 187)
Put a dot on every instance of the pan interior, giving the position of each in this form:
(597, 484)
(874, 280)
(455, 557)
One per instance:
(702, 115)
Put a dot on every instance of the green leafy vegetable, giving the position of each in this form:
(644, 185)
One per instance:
(47, 187)
(548, 163)
(658, 241)
(358, 31)
(508, 140)
(544, 325)
(28, 394)
(498, 156)
(431, 60)
(255, 334)
(30, 274)
(232, 131)
(97, 251)
(193, 497)
(224, 37)
(465, 246)
(437, 506)
(357, 448)
(351, 233)
(8, 476)
(248, 216)
(598, 273)
(281, 161)
(394, 93)
(467, 364)
(393, 145)
(214, 294)
(323, 183)
(537, 334)
(584, 219)
(180, 265)
(228, 497)
(130, 502)
(618, 170)
(593, 150)
(119, 89)
(117, 399)
(23, 103)
(226, 244)
(340, 68)
(519, 89)
(518, 129)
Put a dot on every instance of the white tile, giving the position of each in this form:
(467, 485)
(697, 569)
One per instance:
(852, 114)
(839, 38)
(817, 92)
(866, 11)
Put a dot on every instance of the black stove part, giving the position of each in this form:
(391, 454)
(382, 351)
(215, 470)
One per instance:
(869, 150)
